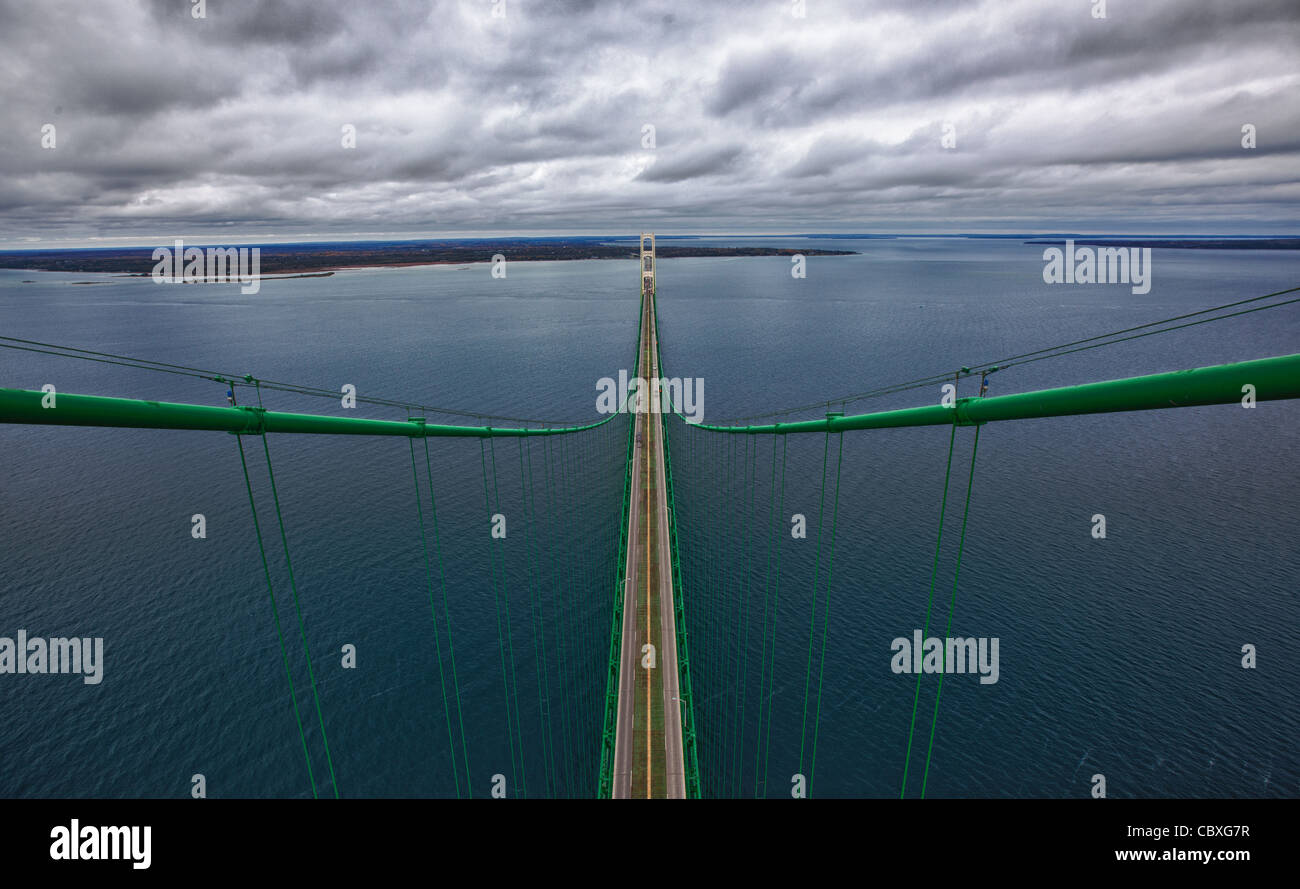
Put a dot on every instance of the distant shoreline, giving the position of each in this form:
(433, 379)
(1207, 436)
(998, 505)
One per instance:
(1180, 243)
(317, 259)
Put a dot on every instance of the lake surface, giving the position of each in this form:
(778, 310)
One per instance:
(1119, 657)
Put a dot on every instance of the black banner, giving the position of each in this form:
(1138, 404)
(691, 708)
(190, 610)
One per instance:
(495, 837)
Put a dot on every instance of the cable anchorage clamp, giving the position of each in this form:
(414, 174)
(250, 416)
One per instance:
(257, 420)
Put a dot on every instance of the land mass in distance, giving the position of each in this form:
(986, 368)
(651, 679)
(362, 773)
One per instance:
(1181, 243)
(282, 259)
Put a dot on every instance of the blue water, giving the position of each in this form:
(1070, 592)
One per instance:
(1118, 657)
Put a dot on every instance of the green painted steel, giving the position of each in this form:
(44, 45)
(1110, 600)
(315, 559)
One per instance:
(609, 727)
(1273, 378)
(24, 406)
(690, 739)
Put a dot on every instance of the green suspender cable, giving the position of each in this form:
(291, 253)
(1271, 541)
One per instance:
(564, 589)
(561, 644)
(776, 602)
(728, 582)
(510, 643)
(738, 571)
(539, 623)
(707, 609)
(275, 610)
(585, 646)
(601, 561)
(529, 543)
(686, 704)
(747, 580)
(943, 508)
(604, 781)
(616, 456)
(725, 638)
(826, 615)
(737, 577)
(437, 644)
(952, 605)
(742, 574)
(572, 597)
(601, 594)
(767, 607)
(302, 629)
(721, 641)
(589, 572)
(710, 609)
(576, 575)
(496, 602)
(446, 612)
(812, 624)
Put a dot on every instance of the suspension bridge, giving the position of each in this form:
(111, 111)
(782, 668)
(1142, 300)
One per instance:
(648, 748)
(668, 708)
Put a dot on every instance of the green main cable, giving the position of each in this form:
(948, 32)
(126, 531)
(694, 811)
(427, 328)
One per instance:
(302, 629)
(826, 616)
(446, 612)
(776, 604)
(812, 624)
(237, 380)
(916, 695)
(952, 605)
(496, 601)
(275, 610)
(437, 645)
(1139, 336)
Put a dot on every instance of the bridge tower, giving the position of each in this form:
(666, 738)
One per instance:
(647, 262)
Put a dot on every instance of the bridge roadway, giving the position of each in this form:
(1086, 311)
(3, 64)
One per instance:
(648, 760)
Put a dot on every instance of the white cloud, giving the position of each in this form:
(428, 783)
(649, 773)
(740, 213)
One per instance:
(763, 121)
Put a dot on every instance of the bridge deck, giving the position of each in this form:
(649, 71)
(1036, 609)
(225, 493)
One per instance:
(648, 761)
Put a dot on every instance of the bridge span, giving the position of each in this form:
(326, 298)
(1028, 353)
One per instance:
(648, 759)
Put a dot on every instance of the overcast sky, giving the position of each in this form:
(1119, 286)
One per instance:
(231, 126)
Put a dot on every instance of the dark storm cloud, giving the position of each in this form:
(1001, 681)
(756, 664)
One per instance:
(693, 164)
(538, 118)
